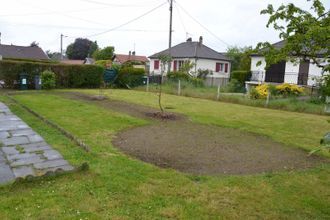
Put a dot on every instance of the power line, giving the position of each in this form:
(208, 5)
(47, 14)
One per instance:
(128, 22)
(115, 5)
(214, 35)
(66, 15)
(181, 20)
(46, 13)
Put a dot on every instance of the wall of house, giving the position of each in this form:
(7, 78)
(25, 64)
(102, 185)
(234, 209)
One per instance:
(291, 71)
(258, 72)
(200, 64)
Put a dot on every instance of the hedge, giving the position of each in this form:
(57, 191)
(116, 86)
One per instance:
(67, 76)
(241, 76)
(130, 77)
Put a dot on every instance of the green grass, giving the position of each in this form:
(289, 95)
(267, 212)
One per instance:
(296, 129)
(189, 90)
(119, 187)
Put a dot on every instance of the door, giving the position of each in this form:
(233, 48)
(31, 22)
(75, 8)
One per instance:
(275, 73)
(303, 73)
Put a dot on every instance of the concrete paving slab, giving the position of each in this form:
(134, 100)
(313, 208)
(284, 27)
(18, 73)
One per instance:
(15, 141)
(6, 174)
(23, 171)
(23, 152)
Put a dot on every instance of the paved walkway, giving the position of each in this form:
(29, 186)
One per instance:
(23, 152)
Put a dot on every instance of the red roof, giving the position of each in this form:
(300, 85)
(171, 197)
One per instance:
(122, 58)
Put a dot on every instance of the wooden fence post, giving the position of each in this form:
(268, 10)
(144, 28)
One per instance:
(179, 88)
(147, 84)
(268, 97)
(218, 94)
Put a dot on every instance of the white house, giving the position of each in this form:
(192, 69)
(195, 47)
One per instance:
(202, 56)
(304, 73)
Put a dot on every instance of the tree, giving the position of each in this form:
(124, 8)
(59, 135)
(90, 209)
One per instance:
(240, 57)
(53, 55)
(104, 54)
(34, 44)
(81, 48)
(165, 60)
(306, 34)
(186, 67)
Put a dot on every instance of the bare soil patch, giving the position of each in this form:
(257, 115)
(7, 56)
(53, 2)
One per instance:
(202, 149)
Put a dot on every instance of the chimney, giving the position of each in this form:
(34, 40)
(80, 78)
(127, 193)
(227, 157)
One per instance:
(133, 53)
(129, 53)
(200, 40)
(189, 39)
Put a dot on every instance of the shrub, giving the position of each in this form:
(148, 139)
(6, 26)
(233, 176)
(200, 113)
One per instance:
(176, 75)
(287, 89)
(196, 82)
(130, 77)
(241, 76)
(103, 63)
(47, 79)
(325, 86)
(67, 76)
(234, 86)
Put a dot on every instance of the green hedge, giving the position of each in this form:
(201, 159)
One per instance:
(241, 76)
(67, 76)
(130, 77)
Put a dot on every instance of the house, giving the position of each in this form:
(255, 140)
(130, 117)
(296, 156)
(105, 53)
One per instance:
(196, 52)
(139, 61)
(87, 61)
(304, 73)
(22, 52)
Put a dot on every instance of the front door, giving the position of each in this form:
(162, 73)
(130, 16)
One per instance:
(303, 73)
(275, 73)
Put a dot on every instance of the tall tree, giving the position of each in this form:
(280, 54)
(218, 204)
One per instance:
(104, 54)
(240, 57)
(306, 34)
(81, 48)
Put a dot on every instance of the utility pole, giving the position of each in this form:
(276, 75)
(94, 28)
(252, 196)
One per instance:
(0, 37)
(62, 45)
(170, 37)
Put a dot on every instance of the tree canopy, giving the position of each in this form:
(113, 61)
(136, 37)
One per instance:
(306, 34)
(240, 57)
(81, 48)
(104, 54)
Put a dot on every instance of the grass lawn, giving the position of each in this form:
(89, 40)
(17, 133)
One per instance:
(189, 90)
(119, 187)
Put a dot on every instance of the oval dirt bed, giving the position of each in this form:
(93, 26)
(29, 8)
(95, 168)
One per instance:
(202, 149)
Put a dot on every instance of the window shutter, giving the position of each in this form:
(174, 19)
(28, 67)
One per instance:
(226, 67)
(217, 67)
(175, 65)
(156, 64)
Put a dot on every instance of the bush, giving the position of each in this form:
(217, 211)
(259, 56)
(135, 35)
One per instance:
(103, 63)
(234, 86)
(287, 89)
(283, 90)
(241, 76)
(47, 79)
(178, 75)
(325, 86)
(67, 76)
(130, 77)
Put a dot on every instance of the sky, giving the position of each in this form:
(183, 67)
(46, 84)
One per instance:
(140, 25)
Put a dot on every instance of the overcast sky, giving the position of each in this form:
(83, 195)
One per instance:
(220, 22)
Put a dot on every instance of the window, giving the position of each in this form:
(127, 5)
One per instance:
(156, 64)
(180, 64)
(175, 65)
(226, 67)
(219, 67)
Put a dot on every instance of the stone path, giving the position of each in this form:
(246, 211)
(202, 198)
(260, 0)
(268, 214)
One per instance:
(23, 152)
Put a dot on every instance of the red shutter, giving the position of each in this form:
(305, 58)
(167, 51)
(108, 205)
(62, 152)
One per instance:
(175, 64)
(156, 64)
(217, 67)
(226, 67)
